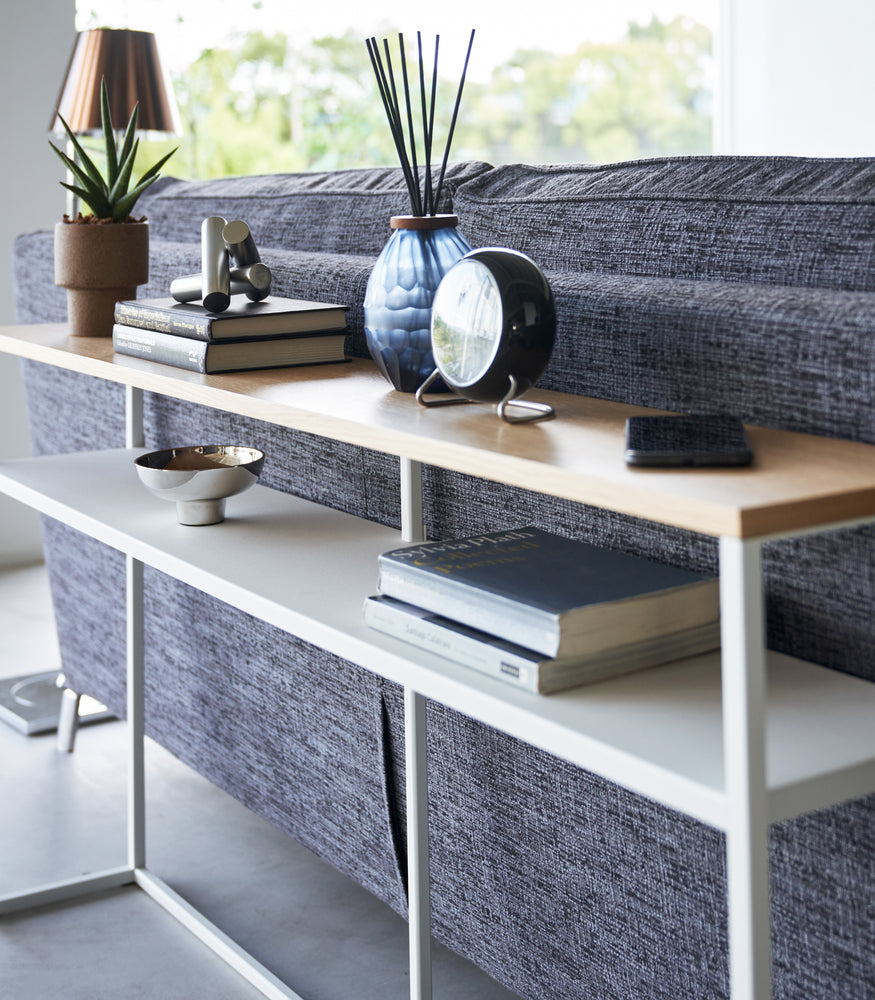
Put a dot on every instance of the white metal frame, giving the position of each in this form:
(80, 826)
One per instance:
(746, 798)
(742, 633)
(416, 773)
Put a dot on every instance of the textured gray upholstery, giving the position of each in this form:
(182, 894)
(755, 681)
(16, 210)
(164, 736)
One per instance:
(782, 220)
(732, 284)
(345, 211)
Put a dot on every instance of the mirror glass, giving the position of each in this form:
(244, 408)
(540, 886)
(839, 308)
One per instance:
(466, 322)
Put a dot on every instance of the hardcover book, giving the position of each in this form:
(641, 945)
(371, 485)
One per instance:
(273, 316)
(523, 667)
(227, 356)
(558, 597)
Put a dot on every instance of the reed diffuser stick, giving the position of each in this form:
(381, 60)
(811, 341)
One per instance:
(411, 133)
(453, 121)
(393, 116)
(424, 200)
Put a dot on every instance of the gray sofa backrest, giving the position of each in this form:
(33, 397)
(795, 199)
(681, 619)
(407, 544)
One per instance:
(664, 270)
(344, 211)
(781, 220)
(732, 284)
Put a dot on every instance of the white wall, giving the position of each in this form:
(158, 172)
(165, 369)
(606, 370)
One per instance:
(35, 45)
(797, 78)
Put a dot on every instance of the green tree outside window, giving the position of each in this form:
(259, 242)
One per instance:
(265, 105)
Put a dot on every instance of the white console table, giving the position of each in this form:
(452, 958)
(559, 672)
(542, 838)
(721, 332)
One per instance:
(718, 737)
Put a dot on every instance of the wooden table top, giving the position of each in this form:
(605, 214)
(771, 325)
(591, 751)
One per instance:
(796, 481)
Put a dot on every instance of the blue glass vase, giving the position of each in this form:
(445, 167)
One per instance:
(399, 294)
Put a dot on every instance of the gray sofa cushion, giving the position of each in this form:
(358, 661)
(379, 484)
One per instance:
(345, 211)
(798, 358)
(37, 298)
(781, 220)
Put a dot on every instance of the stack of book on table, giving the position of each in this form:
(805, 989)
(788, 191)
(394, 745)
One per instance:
(272, 333)
(543, 612)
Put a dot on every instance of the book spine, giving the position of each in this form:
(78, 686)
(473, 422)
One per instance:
(522, 624)
(145, 318)
(163, 348)
(428, 634)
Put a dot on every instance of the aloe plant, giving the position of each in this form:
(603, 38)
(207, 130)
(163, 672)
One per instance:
(109, 196)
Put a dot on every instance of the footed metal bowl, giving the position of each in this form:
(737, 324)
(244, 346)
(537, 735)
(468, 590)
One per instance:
(200, 478)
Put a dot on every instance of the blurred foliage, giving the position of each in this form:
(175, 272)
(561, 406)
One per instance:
(265, 106)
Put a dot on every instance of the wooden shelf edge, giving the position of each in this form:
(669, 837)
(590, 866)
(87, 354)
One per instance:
(797, 482)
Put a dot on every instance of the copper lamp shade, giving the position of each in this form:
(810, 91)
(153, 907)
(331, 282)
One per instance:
(129, 61)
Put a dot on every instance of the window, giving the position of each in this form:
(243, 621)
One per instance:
(268, 86)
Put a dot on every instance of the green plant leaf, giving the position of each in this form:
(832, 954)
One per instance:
(96, 202)
(129, 136)
(84, 159)
(108, 135)
(122, 182)
(84, 179)
(126, 205)
(151, 174)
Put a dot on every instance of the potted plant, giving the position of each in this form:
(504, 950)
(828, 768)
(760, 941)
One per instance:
(101, 257)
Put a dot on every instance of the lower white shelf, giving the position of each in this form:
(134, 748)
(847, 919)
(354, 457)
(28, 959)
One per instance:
(306, 569)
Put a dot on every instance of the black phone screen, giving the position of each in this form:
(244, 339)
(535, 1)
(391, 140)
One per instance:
(692, 439)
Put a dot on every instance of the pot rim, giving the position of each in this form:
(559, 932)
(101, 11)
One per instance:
(81, 223)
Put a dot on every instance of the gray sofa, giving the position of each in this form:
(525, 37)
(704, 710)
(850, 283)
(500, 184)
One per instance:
(743, 285)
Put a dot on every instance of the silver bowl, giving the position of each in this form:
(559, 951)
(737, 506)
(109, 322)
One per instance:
(200, 478)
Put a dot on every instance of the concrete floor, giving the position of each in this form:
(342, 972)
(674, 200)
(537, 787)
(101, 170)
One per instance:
(63, 814)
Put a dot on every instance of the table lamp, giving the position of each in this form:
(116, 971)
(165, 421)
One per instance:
(129, 62)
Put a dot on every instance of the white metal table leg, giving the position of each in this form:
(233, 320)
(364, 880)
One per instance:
(418, 890)
(135, 716)
(135, 652)
(227, 949)
(412, 524)
(133, 417)
(744, 713)
(418, 875)
(68, 721)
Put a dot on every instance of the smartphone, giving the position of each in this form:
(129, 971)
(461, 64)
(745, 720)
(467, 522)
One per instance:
(687, 439)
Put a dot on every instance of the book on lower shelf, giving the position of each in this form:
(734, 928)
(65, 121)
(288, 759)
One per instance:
(555, 596)
(227, 356)
(272, 317)
(523, 667)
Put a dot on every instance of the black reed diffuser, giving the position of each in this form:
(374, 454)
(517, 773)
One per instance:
(424, 195)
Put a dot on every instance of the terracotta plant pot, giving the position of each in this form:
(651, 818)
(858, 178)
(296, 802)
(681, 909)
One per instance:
(99, 264)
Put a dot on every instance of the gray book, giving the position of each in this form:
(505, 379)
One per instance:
(230, 355)
(555, 596)
(522, 667)
(272, 317)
